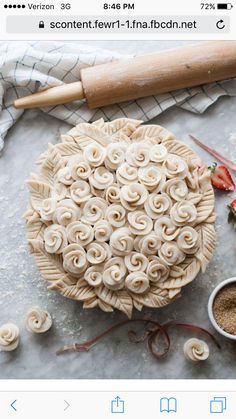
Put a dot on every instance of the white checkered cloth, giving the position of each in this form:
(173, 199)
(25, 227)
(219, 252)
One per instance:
(26, 67)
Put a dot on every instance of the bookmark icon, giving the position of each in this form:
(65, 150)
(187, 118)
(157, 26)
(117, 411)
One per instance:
(168, 405)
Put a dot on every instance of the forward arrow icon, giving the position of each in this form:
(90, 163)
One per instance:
(67, 405)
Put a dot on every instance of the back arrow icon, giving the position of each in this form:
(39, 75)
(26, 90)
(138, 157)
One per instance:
(67, 405)
(12, 405)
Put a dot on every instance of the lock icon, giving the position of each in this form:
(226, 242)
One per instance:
(41, 24)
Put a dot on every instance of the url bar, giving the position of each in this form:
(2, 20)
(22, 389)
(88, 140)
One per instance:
(121, 24)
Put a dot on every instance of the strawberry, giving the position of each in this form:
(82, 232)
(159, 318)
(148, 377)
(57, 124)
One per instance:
(232, 213)
(221, 178)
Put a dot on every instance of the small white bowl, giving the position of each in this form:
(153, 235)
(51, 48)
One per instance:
(210, 307)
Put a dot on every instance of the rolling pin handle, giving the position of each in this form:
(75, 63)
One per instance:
(51, 97)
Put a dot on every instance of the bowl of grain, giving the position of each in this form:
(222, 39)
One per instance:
(222, 308)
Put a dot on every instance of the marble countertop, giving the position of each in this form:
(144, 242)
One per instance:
(22, 287)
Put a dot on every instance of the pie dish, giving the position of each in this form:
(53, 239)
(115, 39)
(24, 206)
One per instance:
(121, 215)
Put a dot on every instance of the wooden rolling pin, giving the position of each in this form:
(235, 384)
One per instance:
(142, 76)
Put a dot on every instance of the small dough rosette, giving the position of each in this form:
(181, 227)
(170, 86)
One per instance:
(148, 245)
(64, 176)
(188, 240)
(137, 154)
(74, 259)
(137, 282)
(66, 212)
(158, 153)
(196, 350)
(98, 252)
(80, 191)
(132, 196)
(114, 273)
(102, 230)
(126, 174)
(101, 178)
(80, 233)
(171, 254)
(55, 238)
(112, 194)
(116, 215)
(182, 213)
(139, 223)
(175, 167)
(93, 275)
(157, 205)
(115, 155)
(9, 337)
(157, 271)
(47, 209)
(95, 154)
(165, 229)
(136, 262)
(94, 210)
(151, 177)
(38, 320)
(121, 241)
(80, 169)
(176, 188)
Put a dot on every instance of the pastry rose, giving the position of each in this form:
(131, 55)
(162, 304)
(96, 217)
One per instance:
(101, 178)
(102, 230)
(74, 259)
(151, 177)
(121, 241)
(119, 262)
(158, 153)
(93, 275)
(157, 270)
(174, 166)
(47, 209)
(165, 229)
(95, 154)
(133, 195)
(9, 337)
(136, 262)
(94, 210)
(55, 238)
(38, 320)
(139, 223)
(171, 254)
(137, 154)
(126, 174)
(183, 212)
(196, 350)
(116, 215)
(66, 212)
(112, 194)
(64, 176)
(115, 155)
(80, 169)
(80, 191)
(79, 233)
(114, 272)
(157, 205)
(176, 188)
(148, 244)
(98, 252)
(137, 282)
(187, 240)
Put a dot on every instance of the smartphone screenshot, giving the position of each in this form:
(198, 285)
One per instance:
(117, 209)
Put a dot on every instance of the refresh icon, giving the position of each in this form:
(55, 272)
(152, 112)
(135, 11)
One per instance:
(220, 24)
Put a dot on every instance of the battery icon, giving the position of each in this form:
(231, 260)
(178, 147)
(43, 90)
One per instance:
(224, 6)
